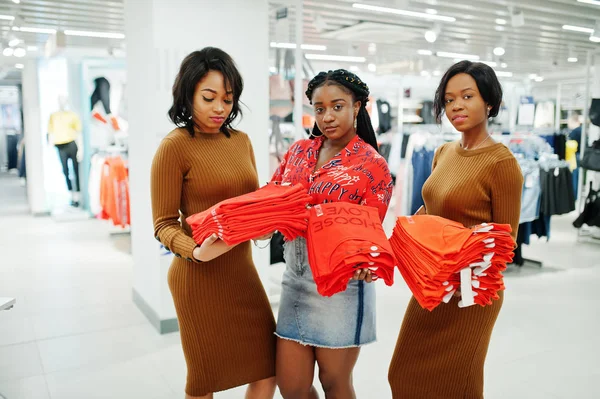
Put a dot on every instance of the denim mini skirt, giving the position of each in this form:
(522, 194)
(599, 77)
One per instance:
(344, 320)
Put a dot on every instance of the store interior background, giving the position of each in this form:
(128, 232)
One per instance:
(93, 315)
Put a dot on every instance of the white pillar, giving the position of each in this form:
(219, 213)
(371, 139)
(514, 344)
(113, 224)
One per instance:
(159, 34)
(34, 144)
(299, 55)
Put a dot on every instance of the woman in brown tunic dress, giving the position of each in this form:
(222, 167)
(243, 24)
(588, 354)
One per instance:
(224, 315)
(441, 354)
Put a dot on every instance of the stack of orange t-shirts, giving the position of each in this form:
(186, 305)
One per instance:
(239, 219)
(438, 256)
(342, 238)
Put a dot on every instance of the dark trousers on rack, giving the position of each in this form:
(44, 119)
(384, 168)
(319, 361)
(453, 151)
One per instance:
(101, 93)
(69, 151)
(12, 141)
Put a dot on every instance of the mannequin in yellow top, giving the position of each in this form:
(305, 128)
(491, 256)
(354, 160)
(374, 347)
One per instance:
(64, 131)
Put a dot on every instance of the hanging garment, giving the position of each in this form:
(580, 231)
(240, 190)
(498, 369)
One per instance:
(12, 141)
(68, 151)
(557, 196)
(595, 111)
(343, 237)
(422, 161)
(385, 115)
(64, 127)
(427, 113)
(544, 114)
(114, 192)
(101, 94)
(532, 194)
(560, 146)
(591, 211)
(239, 219)
(437, 257)
(591, 157)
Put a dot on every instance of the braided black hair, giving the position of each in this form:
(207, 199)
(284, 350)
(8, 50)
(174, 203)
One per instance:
(359, 91)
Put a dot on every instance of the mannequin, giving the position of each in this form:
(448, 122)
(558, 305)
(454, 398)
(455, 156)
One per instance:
(64, 130)
(102, 94)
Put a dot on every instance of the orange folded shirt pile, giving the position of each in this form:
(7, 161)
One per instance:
(239, 219)
(342, 238)
(438, 256)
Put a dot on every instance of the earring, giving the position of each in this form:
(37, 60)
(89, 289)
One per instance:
(355, 123)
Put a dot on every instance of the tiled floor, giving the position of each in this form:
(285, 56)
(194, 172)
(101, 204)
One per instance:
(74, 332)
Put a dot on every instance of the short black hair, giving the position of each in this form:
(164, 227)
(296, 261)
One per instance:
(487, 83)
(193, 69)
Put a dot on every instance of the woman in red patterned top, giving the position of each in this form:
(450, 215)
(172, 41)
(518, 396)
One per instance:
(340, 163)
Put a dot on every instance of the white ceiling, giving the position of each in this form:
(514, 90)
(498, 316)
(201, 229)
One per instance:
(540, 46)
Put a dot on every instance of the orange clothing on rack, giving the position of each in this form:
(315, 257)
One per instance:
(114, 192)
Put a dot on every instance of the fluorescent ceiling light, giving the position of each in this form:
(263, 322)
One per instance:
(504, 65)
(425, 73)
(499, 51)
(372, 67)
(500, 21)
(594, 2)
(431, 11)
(32, 48)
(457, 55)
(16, 1)
(313, 47)
(14, 42)
(595, 39)
(404, 12)
(19, 66)
(34, 30)
(20, 52)
(578, 29)
(430, 36)
(107, 35)
(425, 52)
(7, 17)
(341, 58)
(8, 52)
(572, 59)
(490, 63)
(504, 74)
(539, 79)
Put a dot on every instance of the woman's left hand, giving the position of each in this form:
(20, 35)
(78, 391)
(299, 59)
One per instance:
(363, 274)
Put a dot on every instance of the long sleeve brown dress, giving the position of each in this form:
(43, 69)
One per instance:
(441, 354)
(224, 315)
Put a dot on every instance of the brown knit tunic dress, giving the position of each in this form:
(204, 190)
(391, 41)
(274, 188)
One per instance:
(224, 315)
(441, 354)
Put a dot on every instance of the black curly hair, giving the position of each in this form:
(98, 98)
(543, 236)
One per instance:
(359, 90)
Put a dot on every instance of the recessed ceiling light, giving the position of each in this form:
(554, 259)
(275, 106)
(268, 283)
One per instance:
(539, 79)
(578, 29)
(500, 21)
(8, 52)
(372, 67)
(20, 52)
(106, 35)
(458, 55)
(7, 17)
(572, 59)
(500, 28)
(34, 30)
(14, 42)
(499, 51)
(341, 58)
(403, 12)
(425, 52)
(19, 66)
(431, 36)
(594, 2)
(16, 1)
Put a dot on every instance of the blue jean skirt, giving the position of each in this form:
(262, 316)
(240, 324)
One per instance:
(344, 320)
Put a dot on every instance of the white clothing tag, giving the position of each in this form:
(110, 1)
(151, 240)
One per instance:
(375, 254)
(466, 290)
(556, 172)
(450, 288)
(448, 296)
(488, 241)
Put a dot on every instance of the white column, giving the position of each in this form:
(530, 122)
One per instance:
(299, 55)
(159, 34)
(34, 145)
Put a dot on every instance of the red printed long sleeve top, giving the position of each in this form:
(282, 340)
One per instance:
(357, 174)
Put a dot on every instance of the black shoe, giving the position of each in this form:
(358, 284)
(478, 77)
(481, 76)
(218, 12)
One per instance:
(75, 204)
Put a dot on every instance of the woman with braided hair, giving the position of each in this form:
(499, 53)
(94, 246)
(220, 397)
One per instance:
(340, 162)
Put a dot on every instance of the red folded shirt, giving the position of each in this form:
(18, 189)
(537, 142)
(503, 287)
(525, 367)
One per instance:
(343, 237)
(437, 256)
(239, 219)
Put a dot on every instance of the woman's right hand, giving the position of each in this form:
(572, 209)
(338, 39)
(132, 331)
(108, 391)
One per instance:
(211, 248)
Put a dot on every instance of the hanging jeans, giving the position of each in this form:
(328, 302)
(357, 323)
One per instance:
(101, 93)
(69, 151)
(421, 165)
